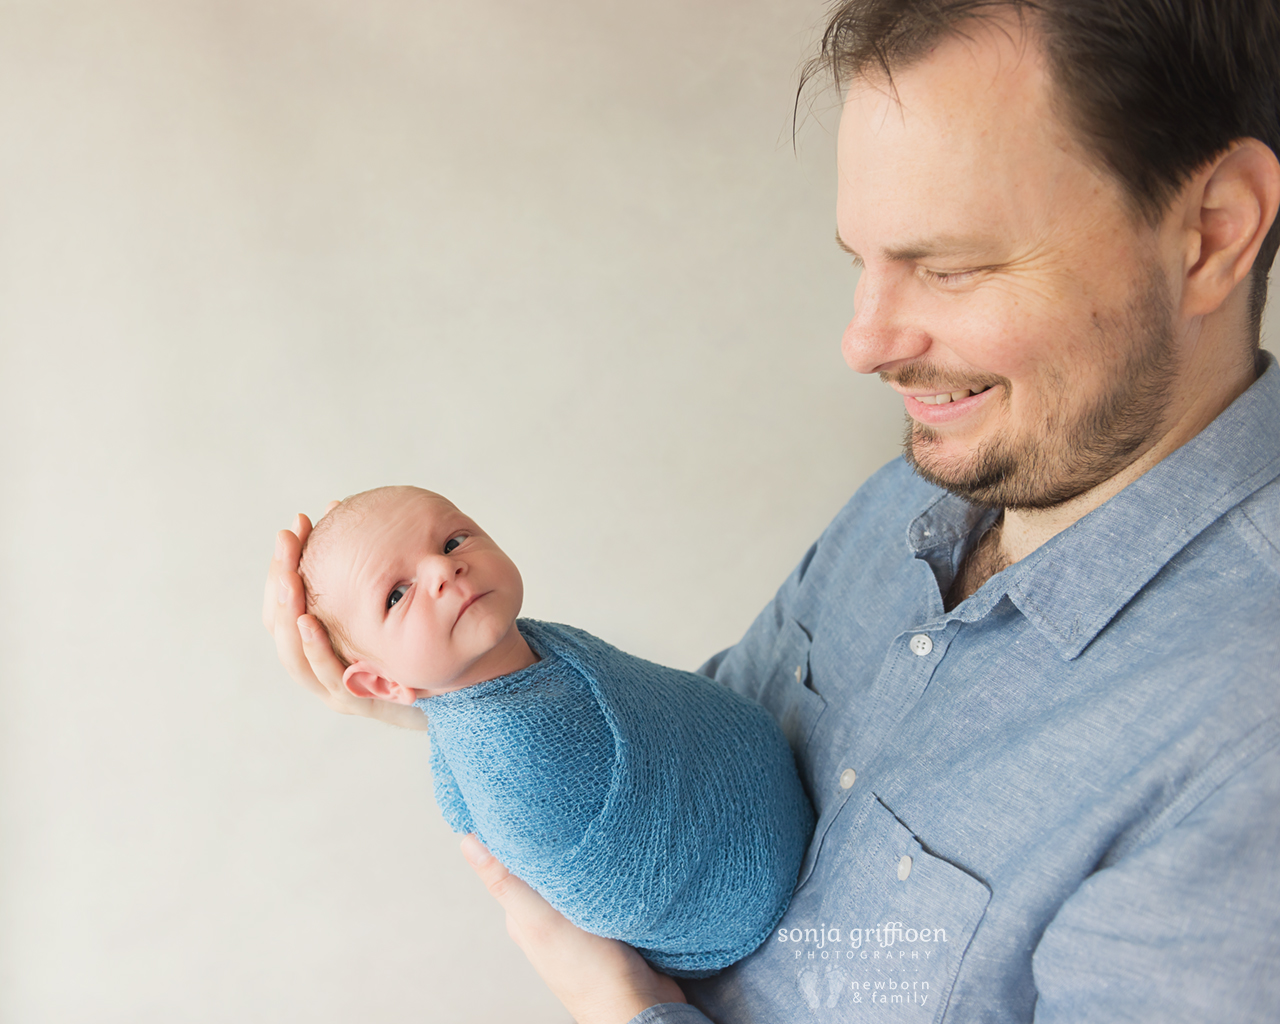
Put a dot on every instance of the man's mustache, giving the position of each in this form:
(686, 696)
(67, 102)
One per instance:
(940, 378)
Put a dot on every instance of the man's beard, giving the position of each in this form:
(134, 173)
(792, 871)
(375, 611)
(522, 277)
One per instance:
(1070, 457)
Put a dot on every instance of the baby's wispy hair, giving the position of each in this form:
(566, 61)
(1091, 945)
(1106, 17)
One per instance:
(347, 513)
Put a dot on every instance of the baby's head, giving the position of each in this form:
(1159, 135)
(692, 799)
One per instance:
(416, 598)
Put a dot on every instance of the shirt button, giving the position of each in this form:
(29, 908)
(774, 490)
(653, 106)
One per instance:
(920, 645)
(904, 868)
(847, 778)
(799, 673)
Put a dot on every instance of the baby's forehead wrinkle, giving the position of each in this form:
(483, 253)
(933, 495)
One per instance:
(322, 563)
(359, 566)
(350, 539)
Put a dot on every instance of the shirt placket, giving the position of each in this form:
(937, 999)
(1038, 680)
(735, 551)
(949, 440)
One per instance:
(909, 666)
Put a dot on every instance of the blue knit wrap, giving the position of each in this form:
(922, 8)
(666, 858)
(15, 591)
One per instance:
(646, 804)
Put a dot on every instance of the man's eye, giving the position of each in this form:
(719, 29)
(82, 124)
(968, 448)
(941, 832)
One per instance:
(395, 595)
(453, 542)
(947, 276)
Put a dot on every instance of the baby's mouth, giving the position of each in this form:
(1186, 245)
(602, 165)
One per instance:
(950, 396)
(467, 604)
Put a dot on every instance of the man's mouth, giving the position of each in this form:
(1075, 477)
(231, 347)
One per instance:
(949, 396)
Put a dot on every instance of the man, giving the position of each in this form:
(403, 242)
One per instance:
(1029, 673)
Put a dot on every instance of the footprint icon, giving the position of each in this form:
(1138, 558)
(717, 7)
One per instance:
(835, 984)
(807, 982)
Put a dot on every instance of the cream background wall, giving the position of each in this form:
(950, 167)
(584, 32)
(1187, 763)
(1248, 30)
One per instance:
(554, 259)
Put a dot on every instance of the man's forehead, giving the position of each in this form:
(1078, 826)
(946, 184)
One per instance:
(961, 143)
(995, 57)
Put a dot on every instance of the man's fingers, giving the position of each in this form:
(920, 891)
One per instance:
(289, 647)
(316, 648)
(597, 979)
(494, 875)
(283, 559)
(526, 910)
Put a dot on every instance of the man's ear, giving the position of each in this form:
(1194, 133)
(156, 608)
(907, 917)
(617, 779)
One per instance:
(363, 679)
(1231, 204)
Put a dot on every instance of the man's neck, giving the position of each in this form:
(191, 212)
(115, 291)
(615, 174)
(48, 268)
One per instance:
(1019, 532)
(1024, 530)
(979, 565)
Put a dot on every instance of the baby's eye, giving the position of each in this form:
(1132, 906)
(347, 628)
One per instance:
(453, 542)
(396, 594)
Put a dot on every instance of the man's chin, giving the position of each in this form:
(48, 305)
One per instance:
(960, 472)
(988, 477)
(972, 487)
(991, 478)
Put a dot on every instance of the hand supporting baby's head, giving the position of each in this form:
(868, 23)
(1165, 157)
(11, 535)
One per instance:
(417, 599)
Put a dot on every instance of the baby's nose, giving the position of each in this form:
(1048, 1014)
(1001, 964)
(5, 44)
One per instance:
(447, 569)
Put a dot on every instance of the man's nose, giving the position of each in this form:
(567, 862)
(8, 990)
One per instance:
(880, 333)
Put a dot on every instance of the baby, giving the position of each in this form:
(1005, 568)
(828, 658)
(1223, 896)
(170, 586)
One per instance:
(646, 804)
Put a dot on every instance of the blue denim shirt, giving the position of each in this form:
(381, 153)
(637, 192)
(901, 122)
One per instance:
(1059, 801)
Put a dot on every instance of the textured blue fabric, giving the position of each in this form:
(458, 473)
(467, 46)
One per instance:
(645, 803)
(1083, 763)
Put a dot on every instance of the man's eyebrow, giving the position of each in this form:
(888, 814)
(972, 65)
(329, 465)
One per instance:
(947, 245)
(941, 247)
(840, 242)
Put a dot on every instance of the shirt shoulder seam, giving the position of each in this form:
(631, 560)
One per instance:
(1232, 760)
(1254, 536)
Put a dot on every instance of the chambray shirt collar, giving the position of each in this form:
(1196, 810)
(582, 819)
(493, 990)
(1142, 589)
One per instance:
(1076, 583)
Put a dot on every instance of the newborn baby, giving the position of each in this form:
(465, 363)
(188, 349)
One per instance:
(646, 804)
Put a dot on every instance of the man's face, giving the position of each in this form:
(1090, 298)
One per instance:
(423, 593)
(1007, 293)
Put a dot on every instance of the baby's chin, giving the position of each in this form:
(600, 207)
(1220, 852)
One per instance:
(433, 685)
(431, 682)
(436, 691)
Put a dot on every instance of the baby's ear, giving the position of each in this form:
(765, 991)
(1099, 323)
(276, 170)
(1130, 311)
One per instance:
(364, 680)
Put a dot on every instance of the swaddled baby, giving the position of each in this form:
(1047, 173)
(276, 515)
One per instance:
(646, 804)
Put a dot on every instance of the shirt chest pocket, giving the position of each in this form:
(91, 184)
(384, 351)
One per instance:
(894, 921)
(787, 692)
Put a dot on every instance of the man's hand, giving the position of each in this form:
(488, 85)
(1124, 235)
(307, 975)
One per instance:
(600, 981)
(302, 643)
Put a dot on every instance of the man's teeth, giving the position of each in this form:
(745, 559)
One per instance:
(953, 396)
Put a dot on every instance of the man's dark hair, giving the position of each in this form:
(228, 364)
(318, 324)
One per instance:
(1155, 89)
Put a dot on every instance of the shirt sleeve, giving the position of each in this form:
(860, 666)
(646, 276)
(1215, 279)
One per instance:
(1186, 928)
(670, 1013)
(745, 666)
